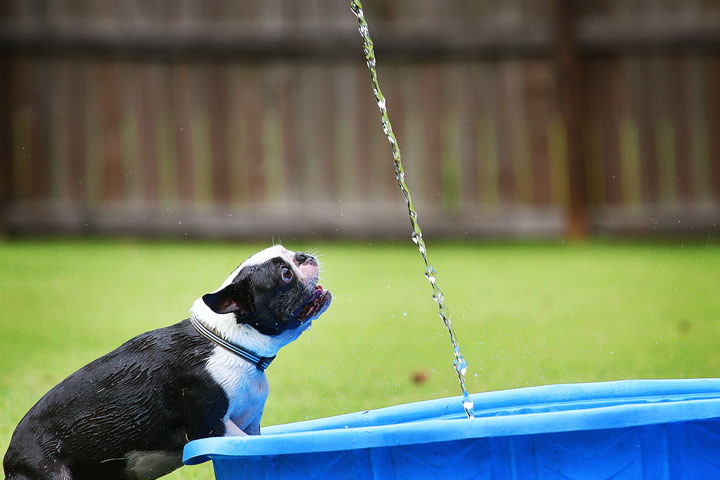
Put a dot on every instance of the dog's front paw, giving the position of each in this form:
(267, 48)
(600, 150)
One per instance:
(232, 430)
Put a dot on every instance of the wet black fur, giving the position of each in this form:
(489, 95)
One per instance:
(152, 393)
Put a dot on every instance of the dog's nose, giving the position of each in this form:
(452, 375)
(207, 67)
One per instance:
(301, 257)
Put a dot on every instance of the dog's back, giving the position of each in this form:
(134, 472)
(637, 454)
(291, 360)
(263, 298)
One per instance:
(105, 416)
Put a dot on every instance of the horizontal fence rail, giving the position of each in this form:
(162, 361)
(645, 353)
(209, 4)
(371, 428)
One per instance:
(330, 42)
(248, 119)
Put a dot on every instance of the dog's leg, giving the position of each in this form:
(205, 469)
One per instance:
(31, 463)
(232, 430)
(248, 424)
(62, 473)
(253, 428)
(17, 476)
(65, 473)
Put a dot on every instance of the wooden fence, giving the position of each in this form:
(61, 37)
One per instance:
(255, 118)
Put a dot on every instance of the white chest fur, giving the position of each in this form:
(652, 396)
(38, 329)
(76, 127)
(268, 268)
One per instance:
(245, 386)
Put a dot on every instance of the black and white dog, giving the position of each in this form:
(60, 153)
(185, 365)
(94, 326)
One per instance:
(128, 414)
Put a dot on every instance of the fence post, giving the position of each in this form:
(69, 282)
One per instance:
(6, 174)
(570, 83)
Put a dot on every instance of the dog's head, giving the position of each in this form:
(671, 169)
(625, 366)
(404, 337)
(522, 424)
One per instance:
(274, 291)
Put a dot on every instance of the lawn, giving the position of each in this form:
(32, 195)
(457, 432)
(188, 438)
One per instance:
(525, 314)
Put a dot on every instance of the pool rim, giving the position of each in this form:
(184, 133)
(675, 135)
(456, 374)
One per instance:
(522, 411)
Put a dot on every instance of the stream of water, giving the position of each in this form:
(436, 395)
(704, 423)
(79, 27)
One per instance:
(459, 362)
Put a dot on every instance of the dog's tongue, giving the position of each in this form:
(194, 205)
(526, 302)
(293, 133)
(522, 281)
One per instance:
(313, 303)
(315, 299)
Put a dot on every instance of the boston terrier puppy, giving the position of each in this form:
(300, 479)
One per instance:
(128, 414)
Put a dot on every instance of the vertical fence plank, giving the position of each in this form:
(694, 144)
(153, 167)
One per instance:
(487, 136)
(236, 133)
(346, 92)
(430, 92)
(594, 149)
(76, 101)
(93, 138)
(287, 110)
(275, 182)
(129, 135)
(570, 85)
(325, 108)
(40, 129)
(167, 156)
(504, 132)
(696, 95)
(200, 139)
(58, 132)
(147, 109)
(451, 156)
(712, 80)
(19, 105)
(308, 145)
(666, 134)
(469, 115)
(363, 136)
(111, 160)
(538, 86)
(610, 115)
(22, 128)
(628, 137)
(644, 89)
(218, 102)
(711, 76)
(6, 141)
(181, 94)
(411, 139)
(520, 160)
(681, 126)
(253, 135)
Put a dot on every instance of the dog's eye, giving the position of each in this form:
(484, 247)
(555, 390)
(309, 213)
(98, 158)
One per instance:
(286, 274)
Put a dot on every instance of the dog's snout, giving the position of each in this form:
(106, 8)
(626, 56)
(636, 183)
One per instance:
(302, 258)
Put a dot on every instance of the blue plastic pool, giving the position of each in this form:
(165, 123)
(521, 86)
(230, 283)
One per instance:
(649, 429)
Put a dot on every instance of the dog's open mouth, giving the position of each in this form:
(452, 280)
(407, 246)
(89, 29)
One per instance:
(315, 304)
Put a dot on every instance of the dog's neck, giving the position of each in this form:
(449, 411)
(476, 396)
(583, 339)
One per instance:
(241, 334)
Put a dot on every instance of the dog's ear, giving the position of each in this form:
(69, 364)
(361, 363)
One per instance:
(235, 298)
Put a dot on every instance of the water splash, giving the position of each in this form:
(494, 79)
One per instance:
(459, 362)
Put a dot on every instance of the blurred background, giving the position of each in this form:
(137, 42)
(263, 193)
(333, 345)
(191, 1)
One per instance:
(240, 118)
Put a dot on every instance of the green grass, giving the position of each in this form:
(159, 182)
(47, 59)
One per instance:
(525, 315)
